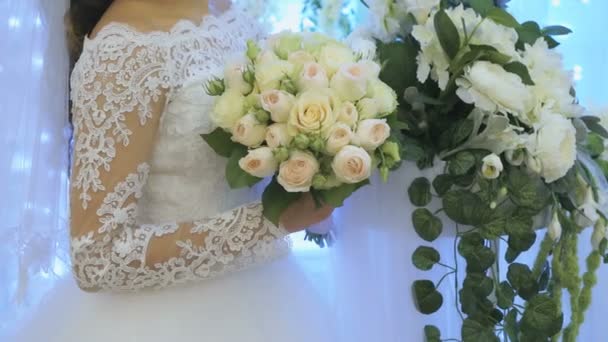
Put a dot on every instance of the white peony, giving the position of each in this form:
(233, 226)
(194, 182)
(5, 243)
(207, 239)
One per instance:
(492, 166)
(352, 165)
(493, 89)
(333, 55)
(248, 131)
(313, 76)
(385, 96)
(371, 133)
(350, 82)
(233, 75)
(228, 109)
(277, 135)
(347, 113)
(554, 145)
(296, 174)
(278, 103)
(313, 112)
(269, 75)
(338, 136)
(259, 162)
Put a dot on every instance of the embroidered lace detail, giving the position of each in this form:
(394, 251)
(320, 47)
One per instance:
(114, 257)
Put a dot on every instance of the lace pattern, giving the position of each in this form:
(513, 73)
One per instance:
(125, 84)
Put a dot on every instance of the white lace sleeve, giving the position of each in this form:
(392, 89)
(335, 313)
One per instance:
(120, 87)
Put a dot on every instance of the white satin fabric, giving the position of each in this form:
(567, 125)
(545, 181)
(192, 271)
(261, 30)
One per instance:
(357, 291)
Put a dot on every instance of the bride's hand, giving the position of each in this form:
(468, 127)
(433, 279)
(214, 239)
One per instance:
(304, 213)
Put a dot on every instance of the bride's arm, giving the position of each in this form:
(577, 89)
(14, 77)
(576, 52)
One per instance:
(119, 93)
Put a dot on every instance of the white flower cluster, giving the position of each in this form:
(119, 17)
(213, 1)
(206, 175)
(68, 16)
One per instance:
(307, 109)
(388, 16)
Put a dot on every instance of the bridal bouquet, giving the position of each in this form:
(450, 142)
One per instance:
(487, 96)
(307, 111)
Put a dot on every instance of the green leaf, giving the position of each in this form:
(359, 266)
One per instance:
(420, 192)
(235, 176)
(461, 163)
(424, 258)
(593, 124)
(480, 259)
(494, 229)
(527, 191)
(473, 331)
(447, 33)
(442, 184)
(470, 242)
(522, 242)
(521, 279)
(335, 197)
(528, 33)
(595, 145)
(432, 333)
(466, 208)
(511, 326)
(479, 283)
(551, 42)
(511, 255)
(413, 150)
(275, 200)
(220, 141)
(542, 316)
(556, 30)
(463, 131)
(520, 70)
(497, 57)
(427, 226)
(427, 299)
(481, 6)
(505, 295)
(399, 67)
(502, 17)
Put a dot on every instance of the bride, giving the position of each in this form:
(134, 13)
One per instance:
(150, 208)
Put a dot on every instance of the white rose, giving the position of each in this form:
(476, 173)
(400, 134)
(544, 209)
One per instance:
(493, 89)
(259, 162)
(352, 165)
(492, 166)
(368, 108)
(554, 145)
(248, 131)
(350, 82)
(555, 228)
(296, 174)
(228, 109)
(277, 135)
(385, 97)
(266, 57)
(347, 113)
(338, 136)
(284, 43)
(300, 58)
(269, 75)
(334, 55)
(313, 77)
(278, 103)
(312, 112)
(371, 133)
(233, 75)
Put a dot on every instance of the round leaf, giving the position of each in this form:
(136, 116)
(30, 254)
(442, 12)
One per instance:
(424, 258)
(521, 279)
(427, 225)
(505, 295)
(432, 333)
(426, 297)
(542, 315)
(420, 192)
(466, 208)
(461, 163)
(442, 184)
(473, 331)
(480, 284)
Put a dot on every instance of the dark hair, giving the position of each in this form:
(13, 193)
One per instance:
(80, 20)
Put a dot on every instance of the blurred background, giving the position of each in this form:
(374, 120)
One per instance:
(35, 130)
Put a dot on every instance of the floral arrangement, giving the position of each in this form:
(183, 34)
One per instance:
(333, 17)
(487, 97)
(307, 111)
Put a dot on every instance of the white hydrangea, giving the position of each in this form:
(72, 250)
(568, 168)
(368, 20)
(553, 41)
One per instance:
(432, 60)
(552, 82)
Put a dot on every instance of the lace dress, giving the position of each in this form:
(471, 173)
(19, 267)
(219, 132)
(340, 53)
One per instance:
(150, 207)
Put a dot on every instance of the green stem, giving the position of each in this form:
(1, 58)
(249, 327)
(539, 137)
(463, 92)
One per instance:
(573, 283)
(442, 278)
(543, 254)
(456, 294)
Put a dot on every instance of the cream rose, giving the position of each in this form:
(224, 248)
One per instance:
(259, 162)
(268, 75)
(228, 109)
(277, 135)
(491, 88)
(296, 174)
(312, 112)
(338, 136)
(248, 131)
(299, 58)
(266, 57)
(278, 103)
(313, 77)
(554, 145)
(347, 113)
(371, 133)
(368, 108)
(385, 96)
(233, 75)
(352, 165)
(333, 55)
(350, 82)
